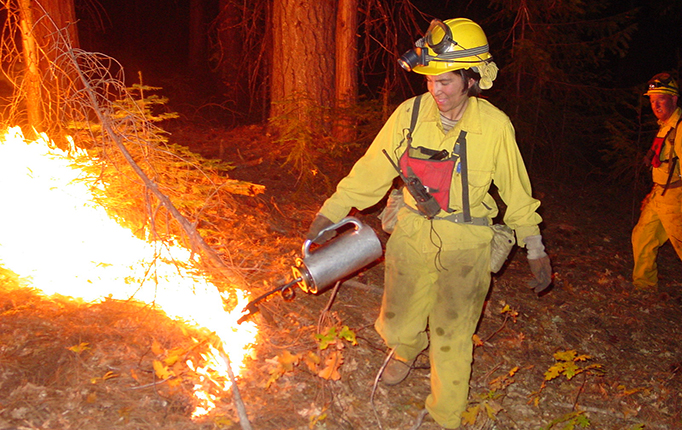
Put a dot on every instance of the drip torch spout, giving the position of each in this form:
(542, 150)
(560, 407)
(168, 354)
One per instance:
(252, 307)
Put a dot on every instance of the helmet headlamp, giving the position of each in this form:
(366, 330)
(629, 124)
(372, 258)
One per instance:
(413, 57)
(438, 38)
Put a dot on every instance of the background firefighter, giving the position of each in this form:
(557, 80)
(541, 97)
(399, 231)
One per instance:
(661, 216)
(437, 268)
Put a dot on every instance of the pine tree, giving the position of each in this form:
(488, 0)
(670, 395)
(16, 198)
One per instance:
(553, 82)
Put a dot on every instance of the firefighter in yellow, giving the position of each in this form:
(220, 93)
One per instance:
(437, 263)
(661, 217)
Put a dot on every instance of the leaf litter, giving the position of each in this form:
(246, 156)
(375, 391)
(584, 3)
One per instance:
(115, 365)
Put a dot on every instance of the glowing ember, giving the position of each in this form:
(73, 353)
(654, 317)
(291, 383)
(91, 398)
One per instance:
(53, 234)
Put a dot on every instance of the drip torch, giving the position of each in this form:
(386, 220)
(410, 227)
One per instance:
(320, 268)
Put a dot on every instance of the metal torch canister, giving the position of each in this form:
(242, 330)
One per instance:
(339, 257)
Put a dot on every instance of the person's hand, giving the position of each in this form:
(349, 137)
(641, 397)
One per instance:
(539, 264)
(320, 223)
(542, 274)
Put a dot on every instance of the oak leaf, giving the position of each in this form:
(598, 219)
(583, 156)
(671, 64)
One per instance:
(157, 349)
(285, 362)
(161, 370)
(469, 416)
(312, 360)
(332, 364)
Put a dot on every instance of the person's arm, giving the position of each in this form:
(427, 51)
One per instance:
(372, 175)
(521, 215)
(513, 183)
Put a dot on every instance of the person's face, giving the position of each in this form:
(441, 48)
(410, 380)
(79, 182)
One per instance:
(448, 92)
(663, 105)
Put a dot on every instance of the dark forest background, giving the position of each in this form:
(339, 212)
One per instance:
(571, 73)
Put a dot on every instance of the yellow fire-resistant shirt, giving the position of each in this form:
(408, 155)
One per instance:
(660, 174)
(492, 155)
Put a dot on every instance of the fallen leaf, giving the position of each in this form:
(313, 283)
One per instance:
(83, 346)
(332, 364)
(157, 349)
(477, 340)
(161, 370)
(469, 416)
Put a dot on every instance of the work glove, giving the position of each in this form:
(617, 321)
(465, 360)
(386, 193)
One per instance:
(539, 263)
(320, 223)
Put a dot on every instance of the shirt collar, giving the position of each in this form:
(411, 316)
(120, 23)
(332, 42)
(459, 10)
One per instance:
(470, 121)
(674, 118)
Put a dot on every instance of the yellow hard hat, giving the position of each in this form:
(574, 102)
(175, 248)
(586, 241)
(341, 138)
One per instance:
(662, 83)
(455, 44)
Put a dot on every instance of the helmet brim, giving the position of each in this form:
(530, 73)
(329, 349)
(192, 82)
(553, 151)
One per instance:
(668, 91)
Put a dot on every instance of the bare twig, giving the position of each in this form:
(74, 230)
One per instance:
(324, 314)
(580, 390)
(239, 404)
(376, 383)
(153, 384)
(499, 329)
(420, 419)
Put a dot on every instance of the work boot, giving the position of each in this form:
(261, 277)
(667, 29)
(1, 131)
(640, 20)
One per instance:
(396, 371)
(641, 288)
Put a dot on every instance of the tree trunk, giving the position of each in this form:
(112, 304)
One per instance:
(60, 15)
(302, 61)
(346, 69)
(230, 29)
(197, 36)
(31, 80)
(48, 28)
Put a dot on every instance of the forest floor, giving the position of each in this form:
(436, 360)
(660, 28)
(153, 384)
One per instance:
(591, 352)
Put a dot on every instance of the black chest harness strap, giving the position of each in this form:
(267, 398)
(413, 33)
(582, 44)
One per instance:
(462, 142)
(461, 151)
(413, 120)
(673, 162)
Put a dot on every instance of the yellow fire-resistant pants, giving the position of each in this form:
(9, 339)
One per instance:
(445, 290)
(660, 220)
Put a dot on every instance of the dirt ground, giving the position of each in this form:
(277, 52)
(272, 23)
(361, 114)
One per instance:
(589, 353)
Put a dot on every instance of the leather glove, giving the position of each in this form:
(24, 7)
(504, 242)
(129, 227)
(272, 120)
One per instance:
(539, 263)
(320, 223)
(542, 272)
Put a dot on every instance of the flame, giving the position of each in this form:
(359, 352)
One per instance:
(54, 235)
